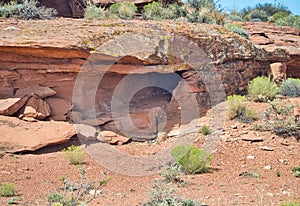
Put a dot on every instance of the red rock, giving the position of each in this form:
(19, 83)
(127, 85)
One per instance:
(12, 105)
(36, 108)
(112, 138)
(59, 107)
(41, 92)
(29, 136)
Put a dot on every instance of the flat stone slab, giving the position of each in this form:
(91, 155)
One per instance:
(18, 136)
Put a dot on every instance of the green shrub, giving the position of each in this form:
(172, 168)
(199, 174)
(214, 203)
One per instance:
(153, 11)
(205, 130)
(262, 89)
(290, 87)
(94, 12)
(124, 10)
(191, 159)
(278, 15)
(7, 189)
(296, 171)
(291, 20)
(258, 14)
(255, 20)
(238, 109)
(280, 119)
(238, 29)
(31, 10)
(10, 10)
(235, 18)
(75, 154)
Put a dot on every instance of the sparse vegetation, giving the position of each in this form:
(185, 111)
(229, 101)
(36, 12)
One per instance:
(7, 189)
(205, 130)
(75, 193)
(93, 12)
(238, 109)
(290, 87)
(172, 173)
(191, 159)
(279, 119)
(291, 204)
(28, 9)
(291, 20)
(75, 154)
(123, 10)
(238, 29)
(164, 196)
(296, 171)
(262, 89)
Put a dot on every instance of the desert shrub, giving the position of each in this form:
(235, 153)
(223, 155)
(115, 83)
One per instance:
(10, 10)
(255, 20)
(152, 11)
(235, 18)
(7, 189)
(258, 14)
(238, 109)
(173, 11)
(291, 20)
(238, 29)
(164, 196)
(172, 173)
(280, 119)
(296, 171)
(275, 17)
(94, 12)
(262, 89)
(191, 159)
(75, 193)
(290, 87)
(205, 130)
(124, 10)
(74, 154)
(29, 9)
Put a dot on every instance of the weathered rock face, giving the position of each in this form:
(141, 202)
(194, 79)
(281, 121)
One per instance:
(104, 71)
(271, 37)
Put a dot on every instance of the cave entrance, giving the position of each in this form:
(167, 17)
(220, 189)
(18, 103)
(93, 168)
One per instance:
(139, 104)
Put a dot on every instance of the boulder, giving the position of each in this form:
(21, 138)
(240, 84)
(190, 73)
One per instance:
(112, 138)
(36, 108)
(29, 136)
(278, 71)
(86, 132)
(10, 106)
(59, 107)
(41, 92)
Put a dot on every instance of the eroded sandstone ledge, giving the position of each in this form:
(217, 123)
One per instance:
(71, 56)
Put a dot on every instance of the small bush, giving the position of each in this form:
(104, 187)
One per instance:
(124, 10)
(163, 196)
(153, 11)
(172, 174)
(291, 20)
(279, 119)
(238, 29)
(74, 154)
(7, 189)
(10, 10)
(94, 12)
(278, 15)
(296, 171)
(290, 87)
(235, 18)
(205, 130)
(262, 89)
(258, 14)
(239, 110)
(29, 9)
(191, 159)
